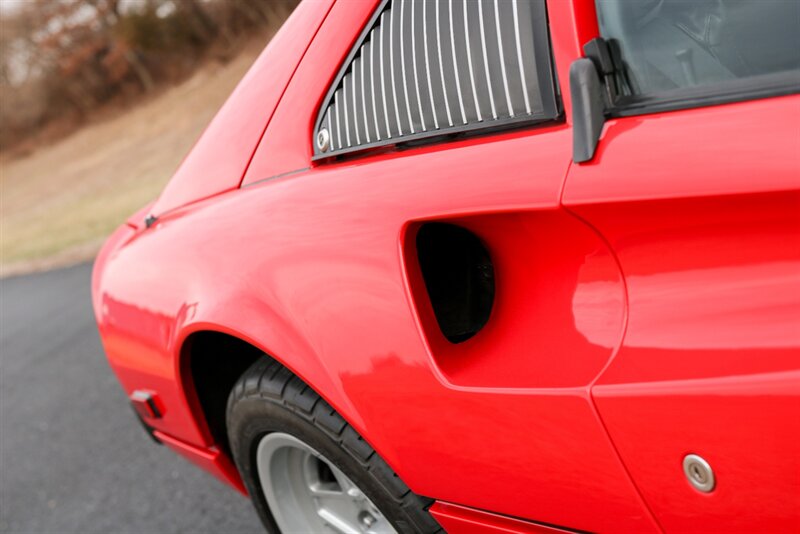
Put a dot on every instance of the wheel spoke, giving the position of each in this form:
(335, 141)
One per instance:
(381, 526)
(347, 486)
(338, 513)
(323, 479)
(320, 492)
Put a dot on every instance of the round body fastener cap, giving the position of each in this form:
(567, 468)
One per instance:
(323, 140)
(699, 473)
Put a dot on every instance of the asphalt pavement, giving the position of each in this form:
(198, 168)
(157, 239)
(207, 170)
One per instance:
(73, 459)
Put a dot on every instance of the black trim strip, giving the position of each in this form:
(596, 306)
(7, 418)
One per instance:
(147, 428)
(281, 175)
(752, 88)
(423, 138)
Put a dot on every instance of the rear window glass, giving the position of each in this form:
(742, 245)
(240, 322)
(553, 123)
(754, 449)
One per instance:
(671, 45)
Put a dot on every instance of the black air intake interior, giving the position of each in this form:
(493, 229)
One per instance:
(459, 278)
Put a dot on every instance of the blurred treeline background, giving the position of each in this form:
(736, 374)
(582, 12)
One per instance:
(100, 100)
(63, 60)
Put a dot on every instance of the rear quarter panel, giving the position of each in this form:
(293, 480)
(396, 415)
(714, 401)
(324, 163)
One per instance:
(309, 268)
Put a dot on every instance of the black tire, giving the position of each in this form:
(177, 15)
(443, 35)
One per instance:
(269, 398)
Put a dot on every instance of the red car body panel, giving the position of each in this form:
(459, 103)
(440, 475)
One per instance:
(285, 147)
(705, 228)
(221, 155)
(208, 458)
(455, 518)
(647, 303)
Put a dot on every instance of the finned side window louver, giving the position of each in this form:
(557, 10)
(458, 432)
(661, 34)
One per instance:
(426, 68)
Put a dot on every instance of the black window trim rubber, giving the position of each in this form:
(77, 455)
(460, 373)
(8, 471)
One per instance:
(740, 90)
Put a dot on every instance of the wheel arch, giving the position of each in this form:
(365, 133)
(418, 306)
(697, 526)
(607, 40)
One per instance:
(210, 363)
(211, 358)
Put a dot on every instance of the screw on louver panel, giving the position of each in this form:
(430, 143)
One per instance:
(426, 68)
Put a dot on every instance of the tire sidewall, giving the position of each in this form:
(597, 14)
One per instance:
(252, 419)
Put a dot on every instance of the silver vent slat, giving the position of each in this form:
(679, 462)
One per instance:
(353, 84)
(386, 73)
(414, 59)
(437, 66)
(372, 82)
(486, 60)
(345, 112)
(427, 62)
(364, 99)
(382, 31)
(441, 68)
(519, 57)
(391, 64)
(455, 61)
(471, 70)
(403, 65)
(502, 57)
(338, 121)
(330, 130)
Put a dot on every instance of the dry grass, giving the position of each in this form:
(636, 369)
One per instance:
(58, 204)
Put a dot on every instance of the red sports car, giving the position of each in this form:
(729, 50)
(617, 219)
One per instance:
(484, 266)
